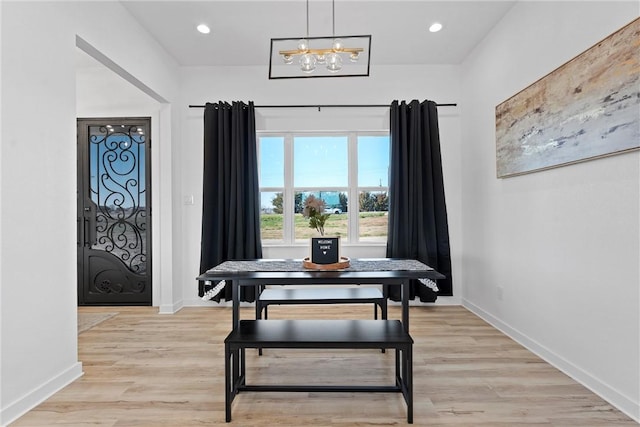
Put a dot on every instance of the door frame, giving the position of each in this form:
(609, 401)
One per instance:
(83, 191)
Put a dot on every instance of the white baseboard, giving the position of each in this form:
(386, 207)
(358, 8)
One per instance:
(170, 308)
(608, 393)
(18, 408)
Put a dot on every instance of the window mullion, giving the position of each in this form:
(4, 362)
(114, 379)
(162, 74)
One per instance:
(352, 194)
(288, 196)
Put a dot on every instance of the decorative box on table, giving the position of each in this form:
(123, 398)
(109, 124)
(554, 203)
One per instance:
(325, 254)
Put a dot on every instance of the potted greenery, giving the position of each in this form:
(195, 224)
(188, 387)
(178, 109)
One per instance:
(325, 251)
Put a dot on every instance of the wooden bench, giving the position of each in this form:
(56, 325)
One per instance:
(320, 334)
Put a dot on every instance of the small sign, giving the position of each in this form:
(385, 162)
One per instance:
(325, 250)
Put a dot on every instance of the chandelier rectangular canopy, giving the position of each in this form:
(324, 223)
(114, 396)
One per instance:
(330, 56)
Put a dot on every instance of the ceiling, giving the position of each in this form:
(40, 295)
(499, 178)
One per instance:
(241, 30)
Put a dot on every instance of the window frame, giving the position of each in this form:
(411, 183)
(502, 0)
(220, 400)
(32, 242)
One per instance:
(352, 189)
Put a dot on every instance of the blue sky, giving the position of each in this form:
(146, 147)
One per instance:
(322, 161)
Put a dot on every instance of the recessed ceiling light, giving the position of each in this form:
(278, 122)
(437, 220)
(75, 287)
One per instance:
(435, 27)
(203, 28)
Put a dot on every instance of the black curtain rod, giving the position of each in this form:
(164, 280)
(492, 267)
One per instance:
(327, 106)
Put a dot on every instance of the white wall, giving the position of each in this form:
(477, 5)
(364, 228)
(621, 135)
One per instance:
(562, 246)
(38, 336)
(1, 139)
(386, 83)
(38, 215)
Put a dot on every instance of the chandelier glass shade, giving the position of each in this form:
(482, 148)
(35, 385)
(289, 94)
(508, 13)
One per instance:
(310, 58)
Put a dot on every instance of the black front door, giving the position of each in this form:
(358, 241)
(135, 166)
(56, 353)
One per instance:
(114, 211)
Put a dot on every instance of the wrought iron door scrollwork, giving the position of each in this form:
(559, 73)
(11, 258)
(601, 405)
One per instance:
(118, 191)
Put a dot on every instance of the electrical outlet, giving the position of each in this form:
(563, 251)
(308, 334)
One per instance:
(500, 292)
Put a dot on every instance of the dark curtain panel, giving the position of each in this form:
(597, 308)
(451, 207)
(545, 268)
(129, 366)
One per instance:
(231, 196)
(418, 226)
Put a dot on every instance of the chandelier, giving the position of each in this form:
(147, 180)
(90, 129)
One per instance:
(319, 56)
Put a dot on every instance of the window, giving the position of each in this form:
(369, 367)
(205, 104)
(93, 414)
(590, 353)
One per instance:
(271, 177)
(348, 171)
(373, 184)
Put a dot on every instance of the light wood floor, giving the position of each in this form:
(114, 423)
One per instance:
(147, 369)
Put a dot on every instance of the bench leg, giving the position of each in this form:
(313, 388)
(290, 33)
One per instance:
(228, 383)
(409, 381)
(259, 317)
(404, 377)
(383, 314)
(243, 365)
(385, 295)
(259, 309)
(398, 373)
